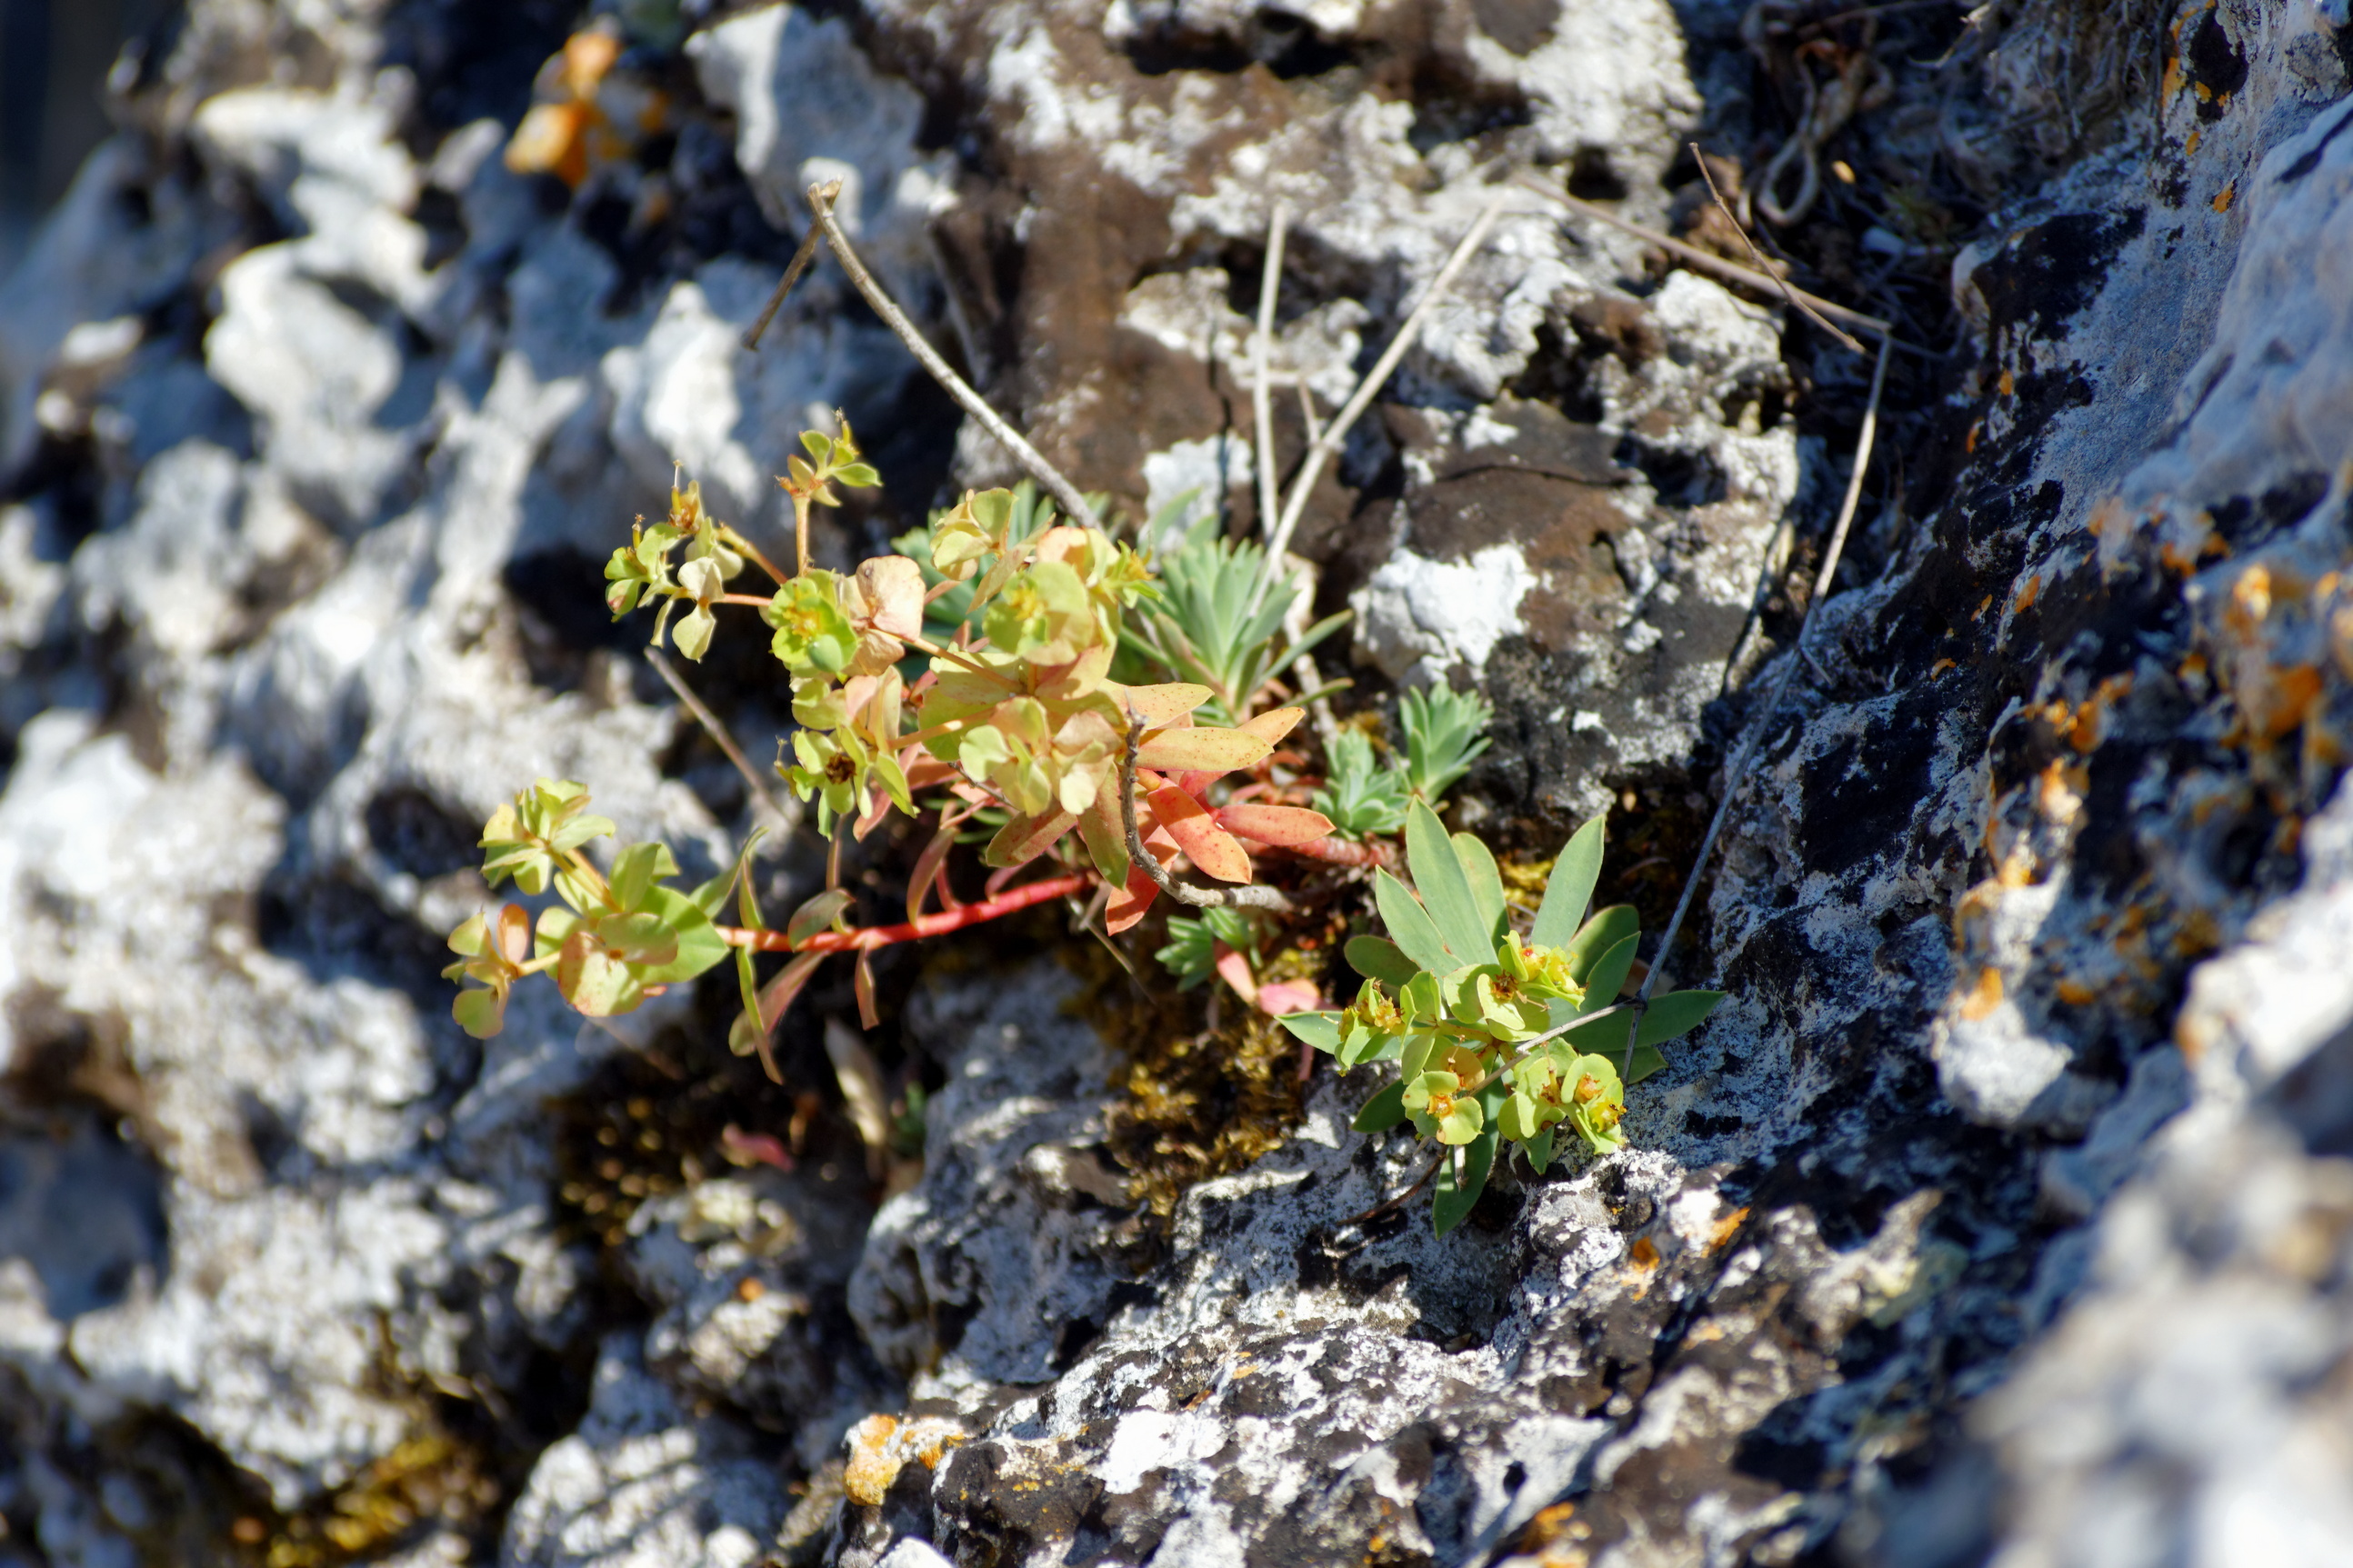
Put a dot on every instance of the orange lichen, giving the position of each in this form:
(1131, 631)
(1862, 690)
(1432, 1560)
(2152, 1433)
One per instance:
(2197, 134)
(583, 119)
(1721, 1233)
(1941, 666)
(2007, 385)
(1642, 1256)
(1984, 996)
(2224, 197)
(2030, 593)
(2075, 993)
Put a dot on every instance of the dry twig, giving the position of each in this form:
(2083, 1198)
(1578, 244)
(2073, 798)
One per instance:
(1708, 261)
(786, 818)
(1269, 484)
(1327, 445)
(1074, 505)
(1786, 292)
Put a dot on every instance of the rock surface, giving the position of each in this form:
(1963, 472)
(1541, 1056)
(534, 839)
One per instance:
(2003, 1215)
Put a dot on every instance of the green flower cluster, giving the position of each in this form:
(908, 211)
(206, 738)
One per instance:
(1497, 1037)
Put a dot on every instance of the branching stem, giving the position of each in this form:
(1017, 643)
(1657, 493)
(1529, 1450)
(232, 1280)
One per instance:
(1249, 896)
(1011, 901)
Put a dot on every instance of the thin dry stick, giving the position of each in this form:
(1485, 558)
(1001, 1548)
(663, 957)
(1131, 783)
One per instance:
(1327, 445)
(1249, 896)
(1307, 413)
(1737, 773)
(1756, 256)
(792, 271)
(1708, 261)
(1074, 505)
(786, 819)
(1261, 391)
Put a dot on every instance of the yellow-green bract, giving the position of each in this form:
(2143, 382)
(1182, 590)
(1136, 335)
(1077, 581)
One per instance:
(1496, 1035)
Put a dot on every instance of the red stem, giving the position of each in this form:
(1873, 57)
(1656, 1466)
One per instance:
(1341, 852)
(873, 937)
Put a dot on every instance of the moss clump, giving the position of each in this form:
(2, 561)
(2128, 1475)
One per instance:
(430, 1478)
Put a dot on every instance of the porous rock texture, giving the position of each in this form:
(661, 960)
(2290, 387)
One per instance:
(2003, 1214)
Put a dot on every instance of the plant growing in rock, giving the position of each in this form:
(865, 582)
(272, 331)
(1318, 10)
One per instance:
(1015, 714)
(1219, 621)
(1498, 1035)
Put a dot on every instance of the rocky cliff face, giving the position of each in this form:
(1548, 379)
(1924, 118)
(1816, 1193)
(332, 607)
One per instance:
(2002, 1215)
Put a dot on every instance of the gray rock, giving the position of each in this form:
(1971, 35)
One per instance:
(1999, 1215)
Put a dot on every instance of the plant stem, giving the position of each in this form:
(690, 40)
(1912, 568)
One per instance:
(800, 532)
(1327, 446)
(787, 819)
(820, 200)
(792, 271)
(1270, 499)
(736, 542)
(1707, 261)
(1754, 255)
(1011, 901)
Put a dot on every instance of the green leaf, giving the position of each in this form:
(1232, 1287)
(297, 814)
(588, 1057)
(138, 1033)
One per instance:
(480, 1014)
(1605, 931)
(1569, 888)
(578, 831)
(1539, 1150)
(1607, 977)
(1445, 890)
(1486, 883)
(1455, 1199)
(817, 445)
(1383, 1112)
(1321, 1030)
(857, 476)
(593, 980)
(700, 945)
(748, 983)
(816, 915)
(1378, 958)
(712, 896)
(1676, 1013)
(1647, 1059)
(635, 870)
(1602, 1032)
(1410, 924)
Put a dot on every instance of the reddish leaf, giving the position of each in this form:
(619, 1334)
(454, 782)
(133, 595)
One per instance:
(513, 933)
(863, 986)
(1127, 905)
(1279, 997)
(1282, 825)
(1274, 724)
(1197, 833)
(1201, 750)
(933, 858)
(1158, 705)
(1235, 971)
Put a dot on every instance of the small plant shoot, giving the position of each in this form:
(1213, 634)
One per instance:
(1498, 1036)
